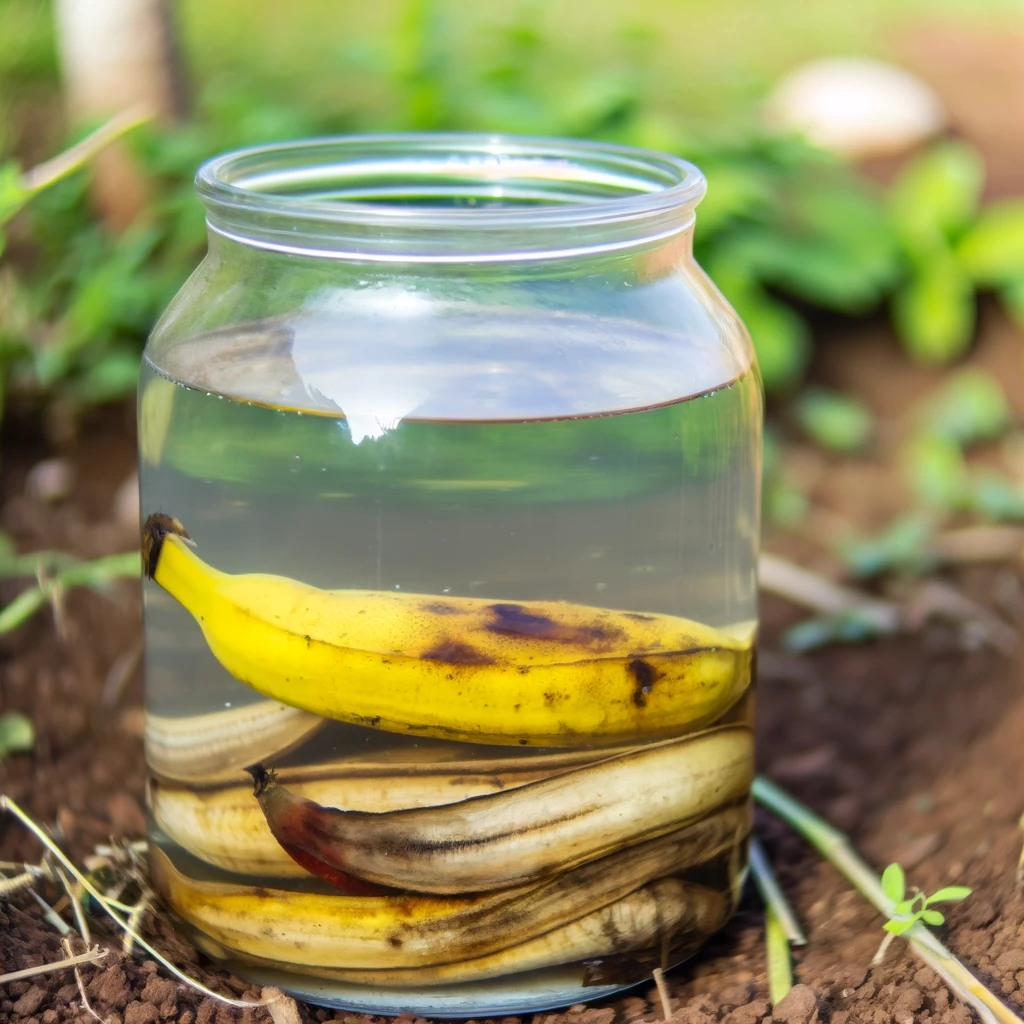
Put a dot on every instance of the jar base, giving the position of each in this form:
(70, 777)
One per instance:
(532, 992)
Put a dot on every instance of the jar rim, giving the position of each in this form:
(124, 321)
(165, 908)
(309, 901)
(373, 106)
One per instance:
(447, 197)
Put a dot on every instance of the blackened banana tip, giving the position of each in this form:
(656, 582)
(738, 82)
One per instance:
(156, 527)
(262, 778)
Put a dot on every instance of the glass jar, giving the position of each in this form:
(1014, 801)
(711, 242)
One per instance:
(450, 460)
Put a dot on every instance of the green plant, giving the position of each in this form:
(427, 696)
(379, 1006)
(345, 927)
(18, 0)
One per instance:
(832, 420)
(17, 734)
(33, 355)
(55, 573)
(951, 248)
(907, 911)
(835, 848)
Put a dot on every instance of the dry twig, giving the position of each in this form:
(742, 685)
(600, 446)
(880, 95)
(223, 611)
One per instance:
(81, 985)
(930, 599)
(6, 803)
(283, 1009)
(88, 957)
(815, 592)
(659, 984)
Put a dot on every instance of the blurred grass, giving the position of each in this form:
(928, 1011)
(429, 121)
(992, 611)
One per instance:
(709, 57)
(785, 228)
(705, 59)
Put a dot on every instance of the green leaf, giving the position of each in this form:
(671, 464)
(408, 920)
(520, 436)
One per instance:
(8, 549)
(834, 421)
(995, 497)
(785, 505)
(816, 267)
(894, 882)
(934, 311)
(899, 927)
(855, 221)
(815, 632)
(1012, 297)
(936, 471)
(933, 917)
(949, 894)
(114, 376)
(734, 190)
(13, 193)
(936, 193)
(905, 908)
(970, 407)
(902, 545)
(17, 734)
(991, 252)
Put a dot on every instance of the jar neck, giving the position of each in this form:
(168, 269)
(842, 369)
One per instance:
(452, 199)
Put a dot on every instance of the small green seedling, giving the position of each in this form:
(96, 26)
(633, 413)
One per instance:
(907, 911)
(17, 734)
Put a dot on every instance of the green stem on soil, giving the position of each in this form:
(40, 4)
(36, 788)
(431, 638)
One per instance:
(781, 928)
(773, 896)
(97, 573)
(780, 964)
(834, 846)
(7, 804)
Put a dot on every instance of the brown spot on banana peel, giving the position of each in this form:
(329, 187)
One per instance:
(338, 931)
(645, 676)
(456, 652)
(505, 839)
(516, 620)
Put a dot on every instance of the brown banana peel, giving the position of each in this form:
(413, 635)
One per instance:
(505, 839)
(402, 931)
(225, 826)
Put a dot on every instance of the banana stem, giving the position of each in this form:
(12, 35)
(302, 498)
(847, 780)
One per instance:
(835, 847)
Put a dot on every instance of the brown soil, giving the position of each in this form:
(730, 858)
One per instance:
(914, 745)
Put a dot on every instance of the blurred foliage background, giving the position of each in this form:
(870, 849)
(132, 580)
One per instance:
(795, 236)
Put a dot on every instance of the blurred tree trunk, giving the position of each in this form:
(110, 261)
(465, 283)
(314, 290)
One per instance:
(119, 55)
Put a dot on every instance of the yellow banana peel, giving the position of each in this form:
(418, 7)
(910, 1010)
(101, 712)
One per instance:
(541, 673)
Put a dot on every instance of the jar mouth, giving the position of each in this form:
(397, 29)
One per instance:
(447, 197)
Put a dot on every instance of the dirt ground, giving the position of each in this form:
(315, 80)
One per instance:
(913, 745)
